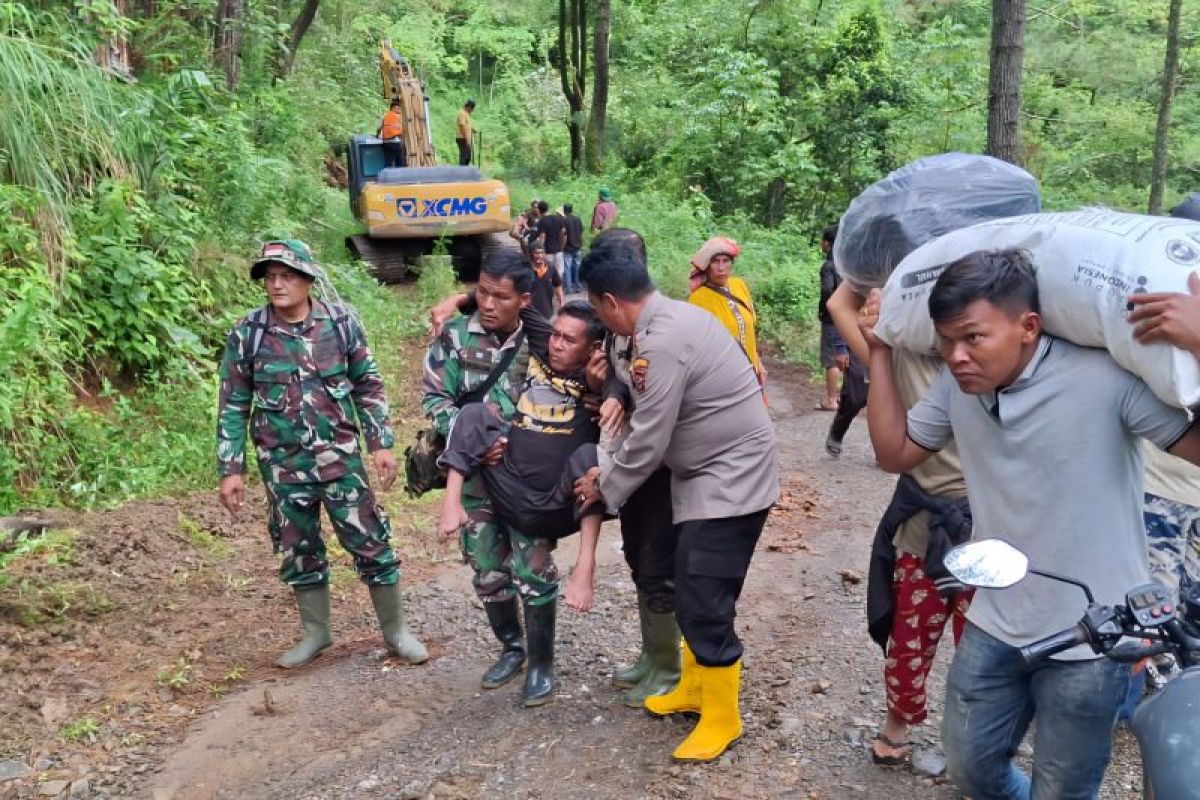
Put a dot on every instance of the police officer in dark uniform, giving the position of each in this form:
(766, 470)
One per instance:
(698, 410)
(648, 534)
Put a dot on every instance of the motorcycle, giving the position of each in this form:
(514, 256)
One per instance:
(1166, 724)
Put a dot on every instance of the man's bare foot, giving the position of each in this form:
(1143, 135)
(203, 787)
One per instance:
(580, 592)
(454, 517)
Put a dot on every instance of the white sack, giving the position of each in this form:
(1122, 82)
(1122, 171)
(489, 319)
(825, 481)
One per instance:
(1088, 263)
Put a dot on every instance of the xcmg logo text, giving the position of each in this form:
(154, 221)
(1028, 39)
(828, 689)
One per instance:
(442, 207)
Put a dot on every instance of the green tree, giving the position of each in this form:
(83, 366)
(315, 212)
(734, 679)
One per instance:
(859, 94)
(227, 39)
(1004, 80)
(571, 57)
(1162, 134)
(296, 33)
(597, 130)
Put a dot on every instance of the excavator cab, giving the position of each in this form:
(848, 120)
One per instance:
(407, 210)
(364, 162)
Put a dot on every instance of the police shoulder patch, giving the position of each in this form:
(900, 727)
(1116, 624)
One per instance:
(637, 373)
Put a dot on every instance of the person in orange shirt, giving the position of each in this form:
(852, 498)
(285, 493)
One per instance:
(391, 131)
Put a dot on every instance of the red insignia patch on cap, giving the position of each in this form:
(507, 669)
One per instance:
(637, 373)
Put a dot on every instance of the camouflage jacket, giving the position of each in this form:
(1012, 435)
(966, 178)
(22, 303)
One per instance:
(300, 394)
(460, 360)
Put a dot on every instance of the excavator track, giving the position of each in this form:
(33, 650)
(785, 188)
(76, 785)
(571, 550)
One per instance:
(390, 260)
(470, 252)
(492, 243)
(399, 260)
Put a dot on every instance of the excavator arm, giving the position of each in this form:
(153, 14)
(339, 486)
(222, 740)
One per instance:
(401, 83)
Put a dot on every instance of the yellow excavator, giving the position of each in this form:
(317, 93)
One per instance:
(407, 210)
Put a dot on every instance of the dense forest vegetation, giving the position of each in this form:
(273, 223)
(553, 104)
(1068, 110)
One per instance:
(132, 193)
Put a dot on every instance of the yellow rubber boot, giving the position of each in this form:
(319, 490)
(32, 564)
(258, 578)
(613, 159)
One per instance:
(685, 696)
(720, 722)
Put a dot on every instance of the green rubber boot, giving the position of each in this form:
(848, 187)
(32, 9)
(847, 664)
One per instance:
(662, 645)
(396, 636)
(313, 603)
(628, 676)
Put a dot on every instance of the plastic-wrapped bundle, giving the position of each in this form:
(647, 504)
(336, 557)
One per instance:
(922, 201)
(1088, 263)
(1189, 208)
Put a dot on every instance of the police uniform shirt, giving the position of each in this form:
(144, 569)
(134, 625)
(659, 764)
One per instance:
(698, 409)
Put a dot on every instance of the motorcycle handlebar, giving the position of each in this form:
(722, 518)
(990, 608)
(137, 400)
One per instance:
(1132, 652)
(1044, 648)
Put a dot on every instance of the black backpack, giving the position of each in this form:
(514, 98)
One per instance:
(422, 472)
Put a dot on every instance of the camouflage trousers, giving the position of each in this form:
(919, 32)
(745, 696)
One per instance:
(360, 523)
(505, 561)
(1173, 532)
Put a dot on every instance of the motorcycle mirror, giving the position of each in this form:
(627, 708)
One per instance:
(987, 563)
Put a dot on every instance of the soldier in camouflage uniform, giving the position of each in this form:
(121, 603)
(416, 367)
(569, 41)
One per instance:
(506, 562)
(299, 372)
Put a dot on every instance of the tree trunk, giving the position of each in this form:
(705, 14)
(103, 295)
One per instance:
(227, 41)
(300, 27)
(1004, 80)
(776, 202)
(570, 74)
(112, 54)
(1162, 135)
(755, 7)
(598, 120)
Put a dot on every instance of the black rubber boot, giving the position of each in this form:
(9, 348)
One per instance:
(539, 675)
(506, 624)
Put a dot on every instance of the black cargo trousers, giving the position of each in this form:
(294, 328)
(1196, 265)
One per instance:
(711, 562)
(648, 539)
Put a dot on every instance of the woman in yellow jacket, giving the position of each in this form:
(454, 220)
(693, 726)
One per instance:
(715, 289)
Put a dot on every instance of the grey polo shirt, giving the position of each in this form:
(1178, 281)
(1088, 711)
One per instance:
(698, 409)
(1053, 465)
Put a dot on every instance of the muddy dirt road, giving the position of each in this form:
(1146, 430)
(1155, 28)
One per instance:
(357, 724)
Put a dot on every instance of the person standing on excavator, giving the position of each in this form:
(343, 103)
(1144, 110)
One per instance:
(391, 132)
(463, 133)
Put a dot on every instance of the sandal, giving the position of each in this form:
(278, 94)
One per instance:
(890, 761)
(825, 406)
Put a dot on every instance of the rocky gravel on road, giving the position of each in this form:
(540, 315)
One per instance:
(358, 724)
